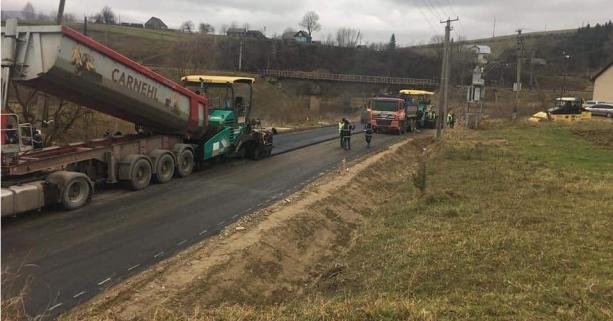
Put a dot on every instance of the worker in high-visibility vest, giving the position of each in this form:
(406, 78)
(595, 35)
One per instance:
(450, 120)
(340, 130)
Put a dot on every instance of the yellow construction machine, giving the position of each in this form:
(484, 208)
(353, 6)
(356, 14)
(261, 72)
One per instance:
(564, 109)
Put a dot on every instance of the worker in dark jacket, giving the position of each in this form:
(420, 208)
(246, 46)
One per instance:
(340, 130)
(346, 134)
(368, 131)
(11, 135)
(37, 139)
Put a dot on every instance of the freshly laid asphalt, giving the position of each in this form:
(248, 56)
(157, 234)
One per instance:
(68, 257)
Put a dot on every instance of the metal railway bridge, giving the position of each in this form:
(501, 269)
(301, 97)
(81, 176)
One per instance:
(416, 82)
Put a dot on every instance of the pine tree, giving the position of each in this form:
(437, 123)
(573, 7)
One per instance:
(392, 43)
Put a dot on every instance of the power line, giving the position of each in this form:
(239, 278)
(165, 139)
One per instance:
(426, 18)
(431, 9)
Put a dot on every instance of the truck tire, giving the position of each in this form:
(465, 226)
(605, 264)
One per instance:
(185, 163)
(165, 168)
(140, 174)
(77, 193)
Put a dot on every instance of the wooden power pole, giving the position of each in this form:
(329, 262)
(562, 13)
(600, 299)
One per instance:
(444, 83)
(60, 12)
(517, 85)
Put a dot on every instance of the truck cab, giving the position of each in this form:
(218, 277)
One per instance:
(392, 114)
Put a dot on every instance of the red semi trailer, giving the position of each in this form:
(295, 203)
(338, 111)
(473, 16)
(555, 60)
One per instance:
(60, 61)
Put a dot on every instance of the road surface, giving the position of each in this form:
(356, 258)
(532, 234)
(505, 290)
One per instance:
(71, 256)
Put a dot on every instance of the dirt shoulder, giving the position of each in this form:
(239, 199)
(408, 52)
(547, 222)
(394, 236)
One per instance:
(270, 256)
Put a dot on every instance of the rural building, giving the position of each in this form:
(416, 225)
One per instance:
(242, 32)
(134, 25)
(603, 84)
(302, 37)
(155, 23)
(236, 32)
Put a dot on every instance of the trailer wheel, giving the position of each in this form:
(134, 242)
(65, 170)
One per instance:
(165, 169)
(76, 193)
(185, 163)
(140, 174)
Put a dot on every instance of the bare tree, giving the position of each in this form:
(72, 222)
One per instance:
(310, 22)
(206, 28)
(329, 40)
(28, 12)
(223, 29)
(348, 37)
(69, 17)
(187, 26)
(106, 15)
(57, 116)
(437, 39)
(288, 34)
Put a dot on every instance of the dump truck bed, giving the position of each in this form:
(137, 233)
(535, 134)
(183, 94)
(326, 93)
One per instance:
(63, 62)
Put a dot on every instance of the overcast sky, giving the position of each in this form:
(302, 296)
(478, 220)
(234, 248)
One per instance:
(413, 21)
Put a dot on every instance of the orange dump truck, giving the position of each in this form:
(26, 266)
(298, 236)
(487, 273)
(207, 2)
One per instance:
(388, 114)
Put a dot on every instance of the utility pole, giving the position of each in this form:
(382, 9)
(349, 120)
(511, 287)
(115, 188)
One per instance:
(447, 76)
(60, 12)
(517, 85)
(532, 57)
(494, 28)
(85, 25)
(444, 83)
(240, 56)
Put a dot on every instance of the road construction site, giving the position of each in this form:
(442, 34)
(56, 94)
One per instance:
(121, 233)
(226, 211)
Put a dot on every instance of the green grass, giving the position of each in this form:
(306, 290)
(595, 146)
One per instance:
(149, 34)
(515, 225)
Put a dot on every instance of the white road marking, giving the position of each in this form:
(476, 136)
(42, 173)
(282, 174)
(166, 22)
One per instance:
(221, 223)
(203, 232)
(235, 216)
(260, 205)
(249, 209)
(55, 306)
(159, 254)
(181, 243)
(133, 267)
(78, 294)
(104, 281)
